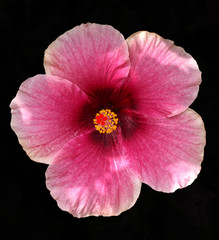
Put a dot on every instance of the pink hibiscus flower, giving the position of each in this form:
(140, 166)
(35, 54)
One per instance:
(110, 114)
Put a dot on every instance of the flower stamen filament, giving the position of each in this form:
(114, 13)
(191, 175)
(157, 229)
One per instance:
(105, 121)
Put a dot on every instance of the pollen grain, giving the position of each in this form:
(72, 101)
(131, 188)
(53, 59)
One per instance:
(105, 121)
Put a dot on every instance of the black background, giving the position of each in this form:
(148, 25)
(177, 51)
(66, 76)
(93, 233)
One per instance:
(26, 208)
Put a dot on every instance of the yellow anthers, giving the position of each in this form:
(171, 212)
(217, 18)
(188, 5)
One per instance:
(105, 121)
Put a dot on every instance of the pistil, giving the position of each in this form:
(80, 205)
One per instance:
(106, 121)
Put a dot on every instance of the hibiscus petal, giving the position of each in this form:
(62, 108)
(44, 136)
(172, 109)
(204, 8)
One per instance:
(168, 78)
(90, 55)
(167, 153)
(89, 179)
(44, 115)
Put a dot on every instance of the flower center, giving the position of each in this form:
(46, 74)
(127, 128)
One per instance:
(105, 121)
